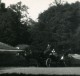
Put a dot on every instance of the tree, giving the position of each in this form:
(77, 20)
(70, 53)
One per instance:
(12, 30)
(57, 26)
(58, 2)
(21, 10)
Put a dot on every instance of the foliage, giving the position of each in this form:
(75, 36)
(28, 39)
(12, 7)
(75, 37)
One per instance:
(12, 30)
(57, 26)
(21, 10)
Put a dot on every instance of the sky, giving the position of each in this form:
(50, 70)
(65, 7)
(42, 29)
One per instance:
(35, 6)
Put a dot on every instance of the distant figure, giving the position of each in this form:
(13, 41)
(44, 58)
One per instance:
(47, 49)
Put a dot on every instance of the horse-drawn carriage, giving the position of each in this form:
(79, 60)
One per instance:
(51, 59)
(41, 59)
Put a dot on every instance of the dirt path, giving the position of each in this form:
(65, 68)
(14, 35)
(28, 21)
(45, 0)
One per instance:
(33, 70)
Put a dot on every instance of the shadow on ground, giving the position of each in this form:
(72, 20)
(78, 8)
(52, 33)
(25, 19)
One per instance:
(14, 74)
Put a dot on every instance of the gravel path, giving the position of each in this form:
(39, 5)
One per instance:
(50, 71)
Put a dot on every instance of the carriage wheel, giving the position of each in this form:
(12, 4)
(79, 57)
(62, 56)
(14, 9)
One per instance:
(48, 62)
(51, 63)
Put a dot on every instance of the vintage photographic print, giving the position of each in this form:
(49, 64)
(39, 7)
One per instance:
(39, 37)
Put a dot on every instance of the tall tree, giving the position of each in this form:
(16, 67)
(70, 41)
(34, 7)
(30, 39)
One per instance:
(12, 30)
(58, 2)
(57, 26)
(21, 10)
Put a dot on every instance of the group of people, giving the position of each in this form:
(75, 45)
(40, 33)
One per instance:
(58, 59)
(50, 52)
